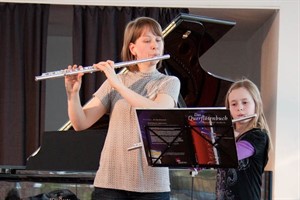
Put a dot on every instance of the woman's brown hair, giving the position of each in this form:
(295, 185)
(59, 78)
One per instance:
(133, 31)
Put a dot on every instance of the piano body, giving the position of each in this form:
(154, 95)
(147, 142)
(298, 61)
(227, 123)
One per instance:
(187, 37)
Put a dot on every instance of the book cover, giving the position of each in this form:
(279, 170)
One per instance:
(188, 137)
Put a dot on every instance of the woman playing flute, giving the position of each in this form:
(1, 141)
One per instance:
(124, 174)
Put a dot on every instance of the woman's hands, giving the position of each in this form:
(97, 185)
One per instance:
(73, 82)
(81, 117)
(108, 69)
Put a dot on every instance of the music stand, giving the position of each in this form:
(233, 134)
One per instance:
(188, 137)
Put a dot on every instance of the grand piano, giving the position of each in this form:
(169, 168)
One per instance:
(187, 38)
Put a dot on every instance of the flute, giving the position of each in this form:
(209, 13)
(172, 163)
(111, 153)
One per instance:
(91, 69)
(243, 118)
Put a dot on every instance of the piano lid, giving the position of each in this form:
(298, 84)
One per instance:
(205, 31)
(187, 38)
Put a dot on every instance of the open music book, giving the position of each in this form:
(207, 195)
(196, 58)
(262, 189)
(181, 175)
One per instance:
(187, 137)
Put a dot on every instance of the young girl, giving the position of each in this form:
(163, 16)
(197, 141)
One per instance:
(252, 140)
(124, 174)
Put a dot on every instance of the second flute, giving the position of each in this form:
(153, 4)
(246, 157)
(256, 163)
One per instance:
(91, 69)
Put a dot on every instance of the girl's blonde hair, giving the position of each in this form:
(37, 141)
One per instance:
(259, 121)
(133, 31)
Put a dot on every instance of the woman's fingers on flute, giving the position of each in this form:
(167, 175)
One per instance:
(110, 62)
(103, 65)
(74, 68)
(80, 74)
(100, 66)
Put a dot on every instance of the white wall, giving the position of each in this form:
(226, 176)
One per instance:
(286, 114)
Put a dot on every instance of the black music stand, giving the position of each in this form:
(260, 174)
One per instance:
(188, 137)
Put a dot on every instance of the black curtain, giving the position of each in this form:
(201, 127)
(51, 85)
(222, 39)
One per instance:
(98, 35)
(23, 36)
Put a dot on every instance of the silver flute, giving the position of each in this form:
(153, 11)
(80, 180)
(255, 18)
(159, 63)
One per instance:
(244, 118)
(91, 69)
